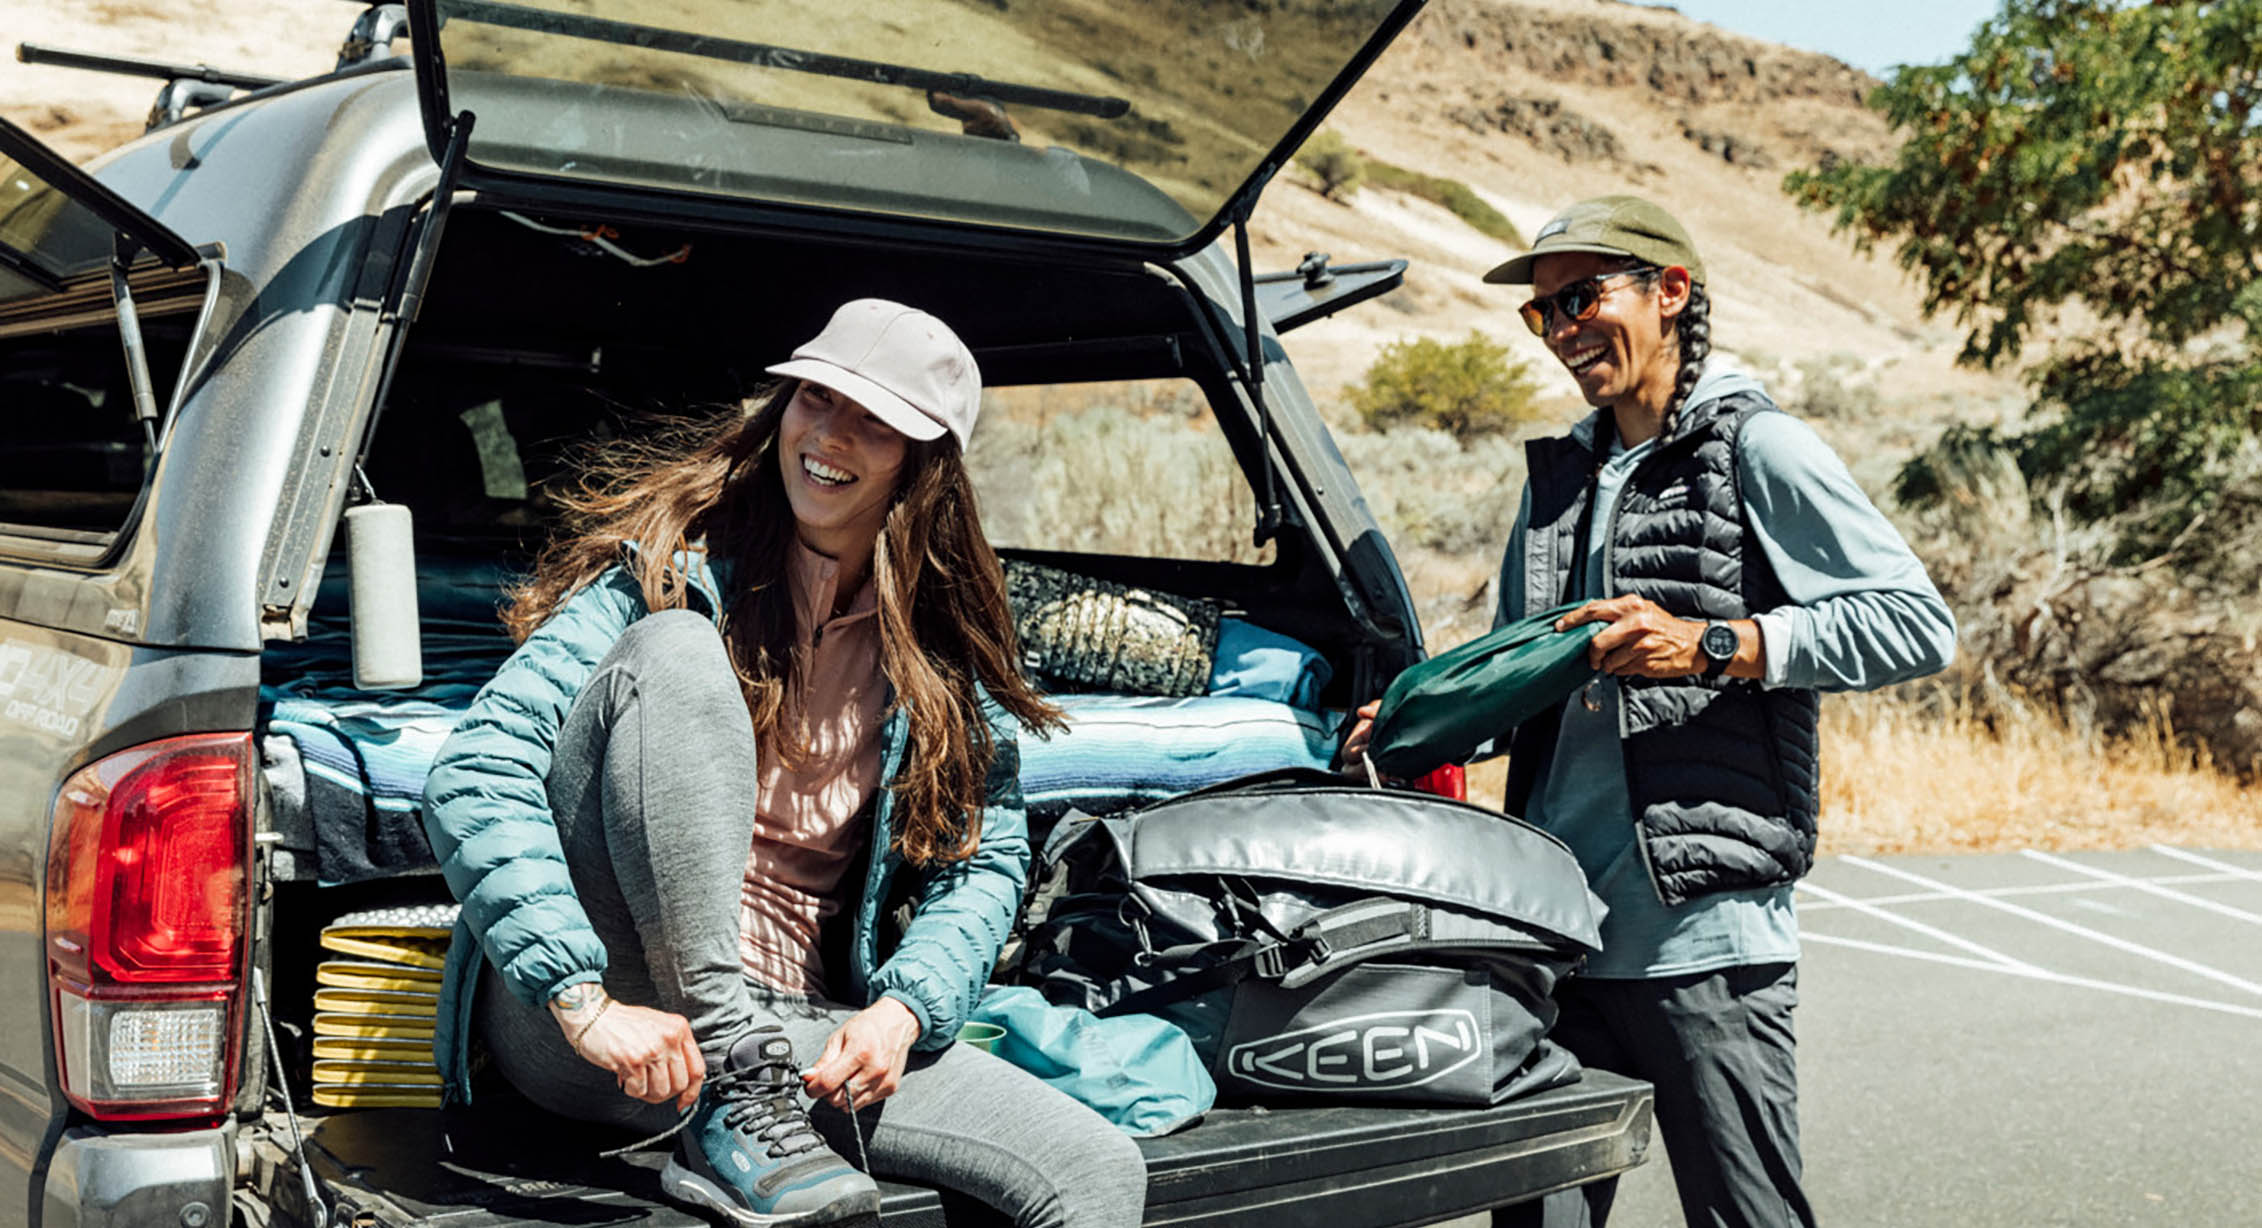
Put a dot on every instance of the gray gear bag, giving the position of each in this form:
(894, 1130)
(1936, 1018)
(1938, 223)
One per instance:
(1321, 940)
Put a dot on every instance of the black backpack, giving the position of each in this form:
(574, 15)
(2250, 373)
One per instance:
(1316, 938)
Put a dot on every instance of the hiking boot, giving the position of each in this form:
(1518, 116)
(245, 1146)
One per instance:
(749, 1151)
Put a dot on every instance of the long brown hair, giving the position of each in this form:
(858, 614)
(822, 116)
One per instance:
(943, 619)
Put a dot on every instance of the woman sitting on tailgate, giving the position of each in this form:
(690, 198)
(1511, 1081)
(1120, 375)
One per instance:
(760, 678)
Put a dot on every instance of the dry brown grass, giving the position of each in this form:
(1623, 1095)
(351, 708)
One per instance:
(1900, 776)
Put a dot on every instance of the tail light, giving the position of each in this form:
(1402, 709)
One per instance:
(147, 911)
(1451, 781)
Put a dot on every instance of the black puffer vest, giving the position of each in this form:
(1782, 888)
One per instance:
(1722, 772)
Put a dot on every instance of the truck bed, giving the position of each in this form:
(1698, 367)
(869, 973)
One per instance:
(1360, 1167)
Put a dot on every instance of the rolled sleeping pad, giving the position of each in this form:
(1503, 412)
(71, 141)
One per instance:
(388, 651)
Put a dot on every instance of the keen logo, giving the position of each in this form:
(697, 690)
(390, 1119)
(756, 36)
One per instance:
(1386, 1050)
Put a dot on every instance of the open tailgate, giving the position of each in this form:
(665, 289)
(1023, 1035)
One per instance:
(1322, 1167)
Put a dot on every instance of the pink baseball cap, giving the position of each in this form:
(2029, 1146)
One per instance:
(902, 364)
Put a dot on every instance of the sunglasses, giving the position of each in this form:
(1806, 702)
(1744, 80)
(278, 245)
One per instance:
(1576, 302)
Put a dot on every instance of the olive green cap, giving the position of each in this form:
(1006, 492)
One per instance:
(1608, 226)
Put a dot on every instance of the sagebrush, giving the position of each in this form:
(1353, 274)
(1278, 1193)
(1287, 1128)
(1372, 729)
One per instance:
(1338, 167)
(1469, 388)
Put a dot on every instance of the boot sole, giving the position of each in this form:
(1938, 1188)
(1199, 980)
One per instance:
(685, 1186)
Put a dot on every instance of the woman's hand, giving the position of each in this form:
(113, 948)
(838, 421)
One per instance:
(651, 1053)
(863, 1061)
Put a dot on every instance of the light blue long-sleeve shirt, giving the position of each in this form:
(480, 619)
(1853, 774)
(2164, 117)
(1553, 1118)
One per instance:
(1863, 614)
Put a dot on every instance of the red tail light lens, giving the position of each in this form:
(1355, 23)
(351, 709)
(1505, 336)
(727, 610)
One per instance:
(147, 909)
(1451, 781)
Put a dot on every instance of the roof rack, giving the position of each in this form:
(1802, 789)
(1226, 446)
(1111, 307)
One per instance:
(190, 86)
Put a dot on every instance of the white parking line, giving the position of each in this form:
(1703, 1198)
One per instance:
(2212, 864)
(1934, 897)
(2134, 948)
(2123, 880)
(1996, 958)
(2034, 974)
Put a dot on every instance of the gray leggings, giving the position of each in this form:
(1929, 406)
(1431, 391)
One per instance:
(652, 788)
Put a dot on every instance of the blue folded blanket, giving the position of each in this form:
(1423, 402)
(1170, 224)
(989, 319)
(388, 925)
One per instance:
(1123, 751)
(1262, 664)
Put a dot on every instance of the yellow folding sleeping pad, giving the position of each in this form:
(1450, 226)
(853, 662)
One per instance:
(375, 1009)
(415, 936)
(364, 974)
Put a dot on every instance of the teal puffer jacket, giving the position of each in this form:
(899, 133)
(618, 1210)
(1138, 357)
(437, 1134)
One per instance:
(487, 813)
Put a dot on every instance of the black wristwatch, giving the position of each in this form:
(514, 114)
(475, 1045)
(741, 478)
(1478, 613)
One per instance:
(1720, 643)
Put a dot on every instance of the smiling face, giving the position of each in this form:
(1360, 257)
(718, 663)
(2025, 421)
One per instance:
(839, 465)
(1624, 355)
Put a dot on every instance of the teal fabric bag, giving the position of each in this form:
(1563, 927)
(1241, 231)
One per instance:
(1443, 709)
(1139, 1072)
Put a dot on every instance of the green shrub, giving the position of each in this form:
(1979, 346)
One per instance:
(1456, 196)
(1468, 389)
(1336, 165)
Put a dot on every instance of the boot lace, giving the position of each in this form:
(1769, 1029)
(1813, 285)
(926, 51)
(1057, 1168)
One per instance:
(756, 1101)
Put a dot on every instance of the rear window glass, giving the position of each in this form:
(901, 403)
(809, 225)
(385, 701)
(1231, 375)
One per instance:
(63, 237)
(72, 454)
(1127, 467)
(1133, 119)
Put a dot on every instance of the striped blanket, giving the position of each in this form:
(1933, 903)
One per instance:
(362, 761)
(1122, 751)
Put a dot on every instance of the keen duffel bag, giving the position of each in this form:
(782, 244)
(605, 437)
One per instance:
(1318, 939)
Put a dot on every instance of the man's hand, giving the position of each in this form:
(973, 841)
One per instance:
(1643, 641)
(1362, 732)
(651, 1053)
(863, 1061)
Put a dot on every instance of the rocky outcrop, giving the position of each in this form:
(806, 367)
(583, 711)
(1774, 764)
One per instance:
(1667, 56)
(1733, 148)
(1545, 122)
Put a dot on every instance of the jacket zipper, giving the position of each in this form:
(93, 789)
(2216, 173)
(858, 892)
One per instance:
(1609, 542)
(867, 942)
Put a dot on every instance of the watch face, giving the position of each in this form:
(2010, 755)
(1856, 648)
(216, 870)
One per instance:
(1721, 642)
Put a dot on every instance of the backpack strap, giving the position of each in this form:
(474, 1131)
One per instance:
(1329, 940)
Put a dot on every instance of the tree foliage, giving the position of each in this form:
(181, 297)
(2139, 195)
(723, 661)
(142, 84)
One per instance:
(1468, 389)
(2102, 155)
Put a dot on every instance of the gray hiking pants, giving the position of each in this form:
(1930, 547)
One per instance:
(1718, 1046)
(652, 786)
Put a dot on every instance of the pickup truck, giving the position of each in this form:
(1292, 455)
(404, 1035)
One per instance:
(425, 279)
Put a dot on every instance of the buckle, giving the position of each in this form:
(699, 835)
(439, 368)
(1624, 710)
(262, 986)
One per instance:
(1272, 962)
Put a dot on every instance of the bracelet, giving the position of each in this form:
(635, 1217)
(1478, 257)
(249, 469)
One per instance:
(574, 1042)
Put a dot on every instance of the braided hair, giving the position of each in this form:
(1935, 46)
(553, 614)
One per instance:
(1694, 325)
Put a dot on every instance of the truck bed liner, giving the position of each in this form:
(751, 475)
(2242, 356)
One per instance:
(1322, 1167)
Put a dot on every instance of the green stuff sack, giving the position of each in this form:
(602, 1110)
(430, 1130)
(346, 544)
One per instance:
(1441, 710)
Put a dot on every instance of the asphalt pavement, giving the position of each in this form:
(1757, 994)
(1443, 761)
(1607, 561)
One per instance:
(2025, 1039)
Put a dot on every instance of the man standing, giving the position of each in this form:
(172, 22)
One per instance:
(1741, 571)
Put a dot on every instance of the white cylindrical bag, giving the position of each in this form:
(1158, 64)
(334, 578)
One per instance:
(388, 649)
